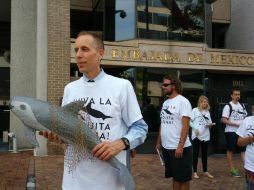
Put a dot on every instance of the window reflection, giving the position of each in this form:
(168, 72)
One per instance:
(147, 82)
(171, 19)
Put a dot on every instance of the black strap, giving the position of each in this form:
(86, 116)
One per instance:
(231, 109)
(206, 118)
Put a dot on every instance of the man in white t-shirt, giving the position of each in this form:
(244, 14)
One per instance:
(114, 115)
(232, 116)
(173, 136)
(246, 138)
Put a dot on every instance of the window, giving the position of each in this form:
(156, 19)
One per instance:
(119, 20)
(181, 20)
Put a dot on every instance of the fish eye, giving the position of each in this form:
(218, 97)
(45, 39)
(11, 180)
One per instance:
(22, 107)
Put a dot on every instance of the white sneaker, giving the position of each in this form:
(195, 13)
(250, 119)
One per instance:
(195, 175)
(207, 174)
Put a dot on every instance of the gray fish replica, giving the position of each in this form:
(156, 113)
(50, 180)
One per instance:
(38, 115)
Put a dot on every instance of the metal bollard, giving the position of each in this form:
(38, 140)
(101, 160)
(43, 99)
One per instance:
(14, 142)
(30, 182)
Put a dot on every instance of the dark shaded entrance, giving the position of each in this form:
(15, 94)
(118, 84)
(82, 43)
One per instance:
(216, 86)
(218, 90)
(4, 108)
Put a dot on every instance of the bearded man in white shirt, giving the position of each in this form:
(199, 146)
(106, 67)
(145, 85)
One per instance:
(173, 136)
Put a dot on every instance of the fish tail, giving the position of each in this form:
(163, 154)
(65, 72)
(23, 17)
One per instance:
(126, 177)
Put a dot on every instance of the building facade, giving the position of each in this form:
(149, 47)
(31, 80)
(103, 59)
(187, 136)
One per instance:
(144, 40)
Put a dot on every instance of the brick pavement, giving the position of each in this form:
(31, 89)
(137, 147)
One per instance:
(149, 174)
(14, 169)
(146, 168)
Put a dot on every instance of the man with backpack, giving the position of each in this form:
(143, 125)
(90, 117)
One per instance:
(232, 115)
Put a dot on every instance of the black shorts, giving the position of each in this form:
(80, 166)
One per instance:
(178, 168)
(231, 139)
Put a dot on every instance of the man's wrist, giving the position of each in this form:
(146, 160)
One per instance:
(233, 124)
(126, 143)
(180, 144)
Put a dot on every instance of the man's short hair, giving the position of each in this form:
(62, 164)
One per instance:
(97, 38)
(234, 89)
(176, 82)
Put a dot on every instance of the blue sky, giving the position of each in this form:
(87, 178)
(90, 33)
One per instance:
(125, 27)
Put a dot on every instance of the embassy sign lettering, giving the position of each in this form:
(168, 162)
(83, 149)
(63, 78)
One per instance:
(137, 55)
(231, 59)
(206, 57)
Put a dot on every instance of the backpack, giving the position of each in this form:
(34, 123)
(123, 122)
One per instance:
(231, 109)
(230, 112)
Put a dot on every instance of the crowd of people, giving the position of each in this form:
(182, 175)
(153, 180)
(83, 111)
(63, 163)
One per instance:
(113, 105)
(180, 153)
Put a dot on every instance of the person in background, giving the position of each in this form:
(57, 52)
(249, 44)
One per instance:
(151, 116)
(201, 123)
(232, 115)
(173, 136)
(246, 138)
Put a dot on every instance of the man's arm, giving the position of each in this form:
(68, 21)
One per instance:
(158, 142)
(106, 150)
(136, 135)
(225, 116)
(227, 122)
(184, 133)
(244, 141)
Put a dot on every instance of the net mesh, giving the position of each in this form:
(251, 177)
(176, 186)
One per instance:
(77, 151)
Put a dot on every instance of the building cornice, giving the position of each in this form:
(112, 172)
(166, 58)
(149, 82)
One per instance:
(171, 54)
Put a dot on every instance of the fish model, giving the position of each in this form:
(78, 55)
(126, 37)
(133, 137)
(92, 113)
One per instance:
(38, 115)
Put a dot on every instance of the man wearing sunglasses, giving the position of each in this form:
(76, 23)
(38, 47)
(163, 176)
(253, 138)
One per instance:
(173, 137)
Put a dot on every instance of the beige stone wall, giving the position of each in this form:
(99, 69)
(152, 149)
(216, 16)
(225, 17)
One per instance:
(221, 11)
(58, 48)
(82, 4)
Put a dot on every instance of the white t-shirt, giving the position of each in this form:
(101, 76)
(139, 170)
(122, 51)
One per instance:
(171, 121)
(110, 99)
(237, 115)
(200, 119)
(247, 129)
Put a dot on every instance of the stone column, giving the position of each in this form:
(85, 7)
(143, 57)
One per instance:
(23, 59)
(42, 65)
(40, 56)
(28, 60)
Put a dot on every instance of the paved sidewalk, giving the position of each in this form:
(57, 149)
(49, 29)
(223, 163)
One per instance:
(146, 168)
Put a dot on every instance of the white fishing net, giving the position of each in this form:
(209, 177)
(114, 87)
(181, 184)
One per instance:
(77, 151)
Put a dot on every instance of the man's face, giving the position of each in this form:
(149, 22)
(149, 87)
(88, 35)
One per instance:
(167, 87)
(236, 95)
(87, 55)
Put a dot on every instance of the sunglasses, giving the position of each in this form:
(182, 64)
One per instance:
(166, 84)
